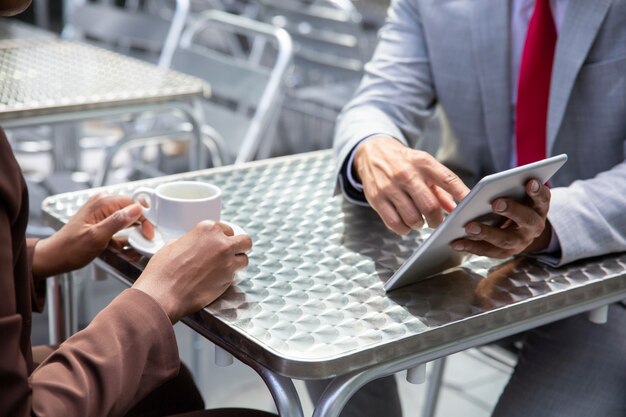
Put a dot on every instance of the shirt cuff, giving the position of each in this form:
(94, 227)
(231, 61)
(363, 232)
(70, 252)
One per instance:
(554, 246)
(552, 254)
(349, 193)
(352, 188)
(349, 166)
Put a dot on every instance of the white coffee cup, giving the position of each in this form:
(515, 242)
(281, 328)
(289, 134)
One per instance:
(177, 207)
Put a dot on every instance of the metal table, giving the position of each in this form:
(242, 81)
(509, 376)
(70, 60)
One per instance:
(45, 81)
(311, 303)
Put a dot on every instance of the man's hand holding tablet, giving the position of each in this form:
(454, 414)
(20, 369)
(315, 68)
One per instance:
(391, 173)
(523, 217)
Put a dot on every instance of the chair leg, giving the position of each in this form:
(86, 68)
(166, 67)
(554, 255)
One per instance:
(433, 388)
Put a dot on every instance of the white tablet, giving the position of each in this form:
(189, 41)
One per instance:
(435, 254)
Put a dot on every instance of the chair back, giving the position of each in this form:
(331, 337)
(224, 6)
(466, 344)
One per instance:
(246, 69)
(135, 29)
(330, 45)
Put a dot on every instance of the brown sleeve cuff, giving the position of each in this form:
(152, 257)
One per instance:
(38, 289)
(161, 323)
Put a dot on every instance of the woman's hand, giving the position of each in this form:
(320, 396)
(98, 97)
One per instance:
(87, 234)
(192, 271)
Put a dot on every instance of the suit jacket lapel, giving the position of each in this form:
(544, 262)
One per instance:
(491, 40)
(580, 26)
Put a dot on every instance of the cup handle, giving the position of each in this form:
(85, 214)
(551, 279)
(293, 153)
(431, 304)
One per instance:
(148, 195)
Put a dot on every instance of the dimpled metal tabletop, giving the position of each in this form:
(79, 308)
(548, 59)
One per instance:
(44, 76)
(311, 303)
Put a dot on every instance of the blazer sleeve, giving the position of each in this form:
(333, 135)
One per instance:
(589, 216)
(396, 96)
(127, 351)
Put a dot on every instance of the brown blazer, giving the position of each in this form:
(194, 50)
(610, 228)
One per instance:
(127, 351)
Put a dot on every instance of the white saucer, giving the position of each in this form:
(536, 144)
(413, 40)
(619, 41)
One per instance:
(150, 247)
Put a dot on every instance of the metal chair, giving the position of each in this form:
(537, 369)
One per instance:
(239, 7)
(328, 35)
(331, 47)
(246, 90)
(133, 29)
(373, 11)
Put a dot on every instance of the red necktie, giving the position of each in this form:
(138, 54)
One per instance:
(533, 88)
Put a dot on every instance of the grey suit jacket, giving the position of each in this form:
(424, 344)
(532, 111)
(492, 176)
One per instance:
(456, 54)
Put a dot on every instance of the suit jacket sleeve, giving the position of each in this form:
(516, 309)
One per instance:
(396, 95)
(589, 216)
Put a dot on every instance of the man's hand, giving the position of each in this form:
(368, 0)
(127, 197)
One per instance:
(87, 234)
(191, 272)
(404, 185)
(525, 230)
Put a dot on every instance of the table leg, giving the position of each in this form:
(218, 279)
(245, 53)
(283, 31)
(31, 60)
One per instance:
(343, 387)
(194, 359)
(283, 391)
(281, 387)
(60, 314)
(339, 391)
(600, 315)
(433, 388)
(222, 357)
(65, 148)
(56, 320)
(417, 374)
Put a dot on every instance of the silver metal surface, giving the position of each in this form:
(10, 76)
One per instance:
(311, 303)
(433, 387)
(416, 374)
(61, 323)
(48, 77)
(283, 392)
(14, 29)
(56, 319)
(599, 315)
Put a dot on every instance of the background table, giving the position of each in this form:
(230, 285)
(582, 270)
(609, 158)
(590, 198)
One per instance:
(51, 81)
(311, 303)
